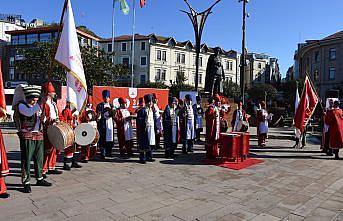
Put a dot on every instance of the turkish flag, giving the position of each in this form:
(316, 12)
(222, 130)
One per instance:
(2, 96)
(307, 105)
(142, 3)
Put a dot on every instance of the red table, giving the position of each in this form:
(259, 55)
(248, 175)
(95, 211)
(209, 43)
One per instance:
(244, 144)
(230, 144)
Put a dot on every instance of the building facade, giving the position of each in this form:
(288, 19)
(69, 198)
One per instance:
(261, 69)
(322, 61)
(22, 39)
(160, 59)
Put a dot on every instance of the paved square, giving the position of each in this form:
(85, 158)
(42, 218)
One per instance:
(290, 185)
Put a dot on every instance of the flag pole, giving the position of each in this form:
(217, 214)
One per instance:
(52, 61)
(133, 42)
(315, 90)
(113, 22)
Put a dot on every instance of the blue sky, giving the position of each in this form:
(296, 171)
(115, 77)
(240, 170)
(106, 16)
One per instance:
(274, 27)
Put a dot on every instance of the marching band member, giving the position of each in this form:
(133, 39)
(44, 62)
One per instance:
(104, 112)
(69, 152)
(170, 127)
(158, 126)
(50, 111)
(140, 106)
(326, 134)
(334, 119)
(89, 152)
(186, 116)
(123, 120)
(146, 121)
(239, 115)
(28, 117)
(213, 128)
(262, 118)
(4, 171)
(199, 114)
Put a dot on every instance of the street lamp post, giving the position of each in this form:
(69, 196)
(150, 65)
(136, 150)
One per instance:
(198, 20)
(243, 56)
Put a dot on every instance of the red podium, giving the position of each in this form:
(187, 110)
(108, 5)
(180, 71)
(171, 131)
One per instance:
(244, 144)
(230, 144)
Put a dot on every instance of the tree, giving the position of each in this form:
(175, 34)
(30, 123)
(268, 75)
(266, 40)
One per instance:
(289, 88)
(231, 90)
(259, 91)
(98, 69)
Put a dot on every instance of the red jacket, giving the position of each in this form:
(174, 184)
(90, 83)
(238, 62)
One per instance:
(334, 119)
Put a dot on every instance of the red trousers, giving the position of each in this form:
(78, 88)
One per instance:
(126, 147)
(69, 152)
(50, 157)
(212, 150)
(88, 152)
(3, 188)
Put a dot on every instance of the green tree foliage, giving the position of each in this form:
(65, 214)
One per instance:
(98, 69)
(289, 88)
(257, 92)
(231, 90)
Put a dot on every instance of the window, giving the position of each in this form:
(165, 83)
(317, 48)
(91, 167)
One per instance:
(332, 73)
(164, 56)
(158, 75)
(158, 55)
(183, 58)
(200, 79)
(259, 65)
(163, 75)
(333, 54)
(15, 40)
(316, 56)
(94, 44)
(11, 73)
(123, 46)
(178, 58)
(22, 39)
(45, 37)
(227, 65)
(11, 61)
(131, 46)
(109, 48)
(200, 61)
(230, 65)
(143, 61)
(143, 46)
(126, 61)
(142, 79)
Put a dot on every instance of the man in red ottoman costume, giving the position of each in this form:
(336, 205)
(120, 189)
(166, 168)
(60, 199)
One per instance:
(212, 116)
(50, 112)
(334, 118)
(123, 120)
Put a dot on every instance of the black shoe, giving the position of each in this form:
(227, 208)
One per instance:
(142, 161)
(27, 188)
(44, 176)
(4, 195)
(55, 172)
(76, 165)
(66, 167)
(43, 183)
(84, 161)
(150, 160)
(190, 151)
(102, 157)
(336, 157)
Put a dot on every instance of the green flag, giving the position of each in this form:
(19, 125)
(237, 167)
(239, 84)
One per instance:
(124, 7)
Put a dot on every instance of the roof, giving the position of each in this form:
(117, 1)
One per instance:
(50, 28)
(126, 38)
(334, 36)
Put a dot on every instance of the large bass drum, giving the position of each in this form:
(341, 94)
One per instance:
(61, 135)
(86, 134)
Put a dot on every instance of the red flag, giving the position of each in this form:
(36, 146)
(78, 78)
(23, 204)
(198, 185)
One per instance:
(142, 3)
(2, 96)
(307, 105)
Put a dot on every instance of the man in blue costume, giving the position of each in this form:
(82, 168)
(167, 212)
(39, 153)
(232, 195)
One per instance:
(170, 127)
(105, 112)
(146, 120)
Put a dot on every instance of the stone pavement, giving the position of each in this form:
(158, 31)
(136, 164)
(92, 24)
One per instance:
(300, 184)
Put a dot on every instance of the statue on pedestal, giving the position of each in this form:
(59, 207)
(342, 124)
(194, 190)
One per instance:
(214, 73)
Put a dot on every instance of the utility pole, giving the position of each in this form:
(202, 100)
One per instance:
(243, 56)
